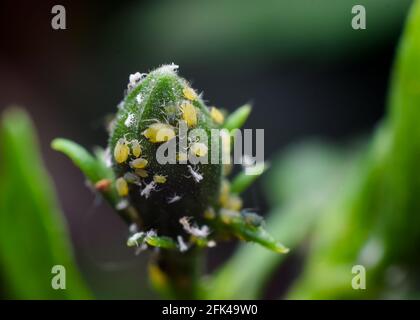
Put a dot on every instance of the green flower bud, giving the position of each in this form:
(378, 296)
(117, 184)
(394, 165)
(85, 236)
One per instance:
(153, 113)
(166, 178)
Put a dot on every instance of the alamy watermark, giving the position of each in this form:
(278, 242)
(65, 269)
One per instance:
(358, 22)
(358, 281)
(58, 281)
(58, 22)
(192, 146)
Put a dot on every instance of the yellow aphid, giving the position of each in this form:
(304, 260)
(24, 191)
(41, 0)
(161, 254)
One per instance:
(228, 216)
(139, 163)
(121, 186)
(159, 132)
(182, 157)
(224, 193)
(199, 149)
(159, 178)
(121, 151)
(141, 173)
(209, 213)
(234, 203)
(217, 115)
(189, 93)
(189, 114)
(135, 148)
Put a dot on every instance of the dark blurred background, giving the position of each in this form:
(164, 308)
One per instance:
(307, 72)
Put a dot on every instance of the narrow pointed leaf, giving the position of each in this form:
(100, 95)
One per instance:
(92, 168)
(237, 118)
(243, 181)
(33, 235)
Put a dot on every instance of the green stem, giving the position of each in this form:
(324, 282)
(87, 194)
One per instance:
(175, 274)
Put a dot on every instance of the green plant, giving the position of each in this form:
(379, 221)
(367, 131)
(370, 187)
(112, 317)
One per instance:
(33, 235)
(340, 206)
(164, 204)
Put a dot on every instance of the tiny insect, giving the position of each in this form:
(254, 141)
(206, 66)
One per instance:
(130, 121)
(195, 174)
(131, 178)
(134, 79)
(139, 163)
(135, 238)
(121, 151)
(217, 115)
(159, 132)
(121, 186)
(174, 198)
(103, 185)
(141, 173)
(209, 213)
(252, 218)
(148, 189)
(234, 203)
(199, 149)
(194, 230)
(189, 114)
(181, 244)
(227, 216)
(122, 204)
(135, 148)
(170, 112)
(159, 178)
(189, 93)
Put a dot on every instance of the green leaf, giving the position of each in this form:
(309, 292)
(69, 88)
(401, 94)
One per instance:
(93, 168)
(243, 181)
(160, 242)
(291, 221)
(237, 118)
(257, 235)
(33, 235)
(380, 216)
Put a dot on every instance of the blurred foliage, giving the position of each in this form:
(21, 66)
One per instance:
(368, 216)
(339, 206)
(33, 236)
(304, 180)
(377, 224)
(239, 31)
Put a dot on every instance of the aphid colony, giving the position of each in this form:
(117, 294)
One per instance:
(173, 201)
(180, 204)
(158, 132)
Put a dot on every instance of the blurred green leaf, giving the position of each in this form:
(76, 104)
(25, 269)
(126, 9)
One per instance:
(237, 118)
(33, 236)
(377, 225)
(246, 32)
(243, 181)
(299, 167)
(93, 168)
(160, 242)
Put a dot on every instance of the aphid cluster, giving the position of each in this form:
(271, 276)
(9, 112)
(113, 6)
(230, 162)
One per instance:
(180, 201)
(175, 207)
